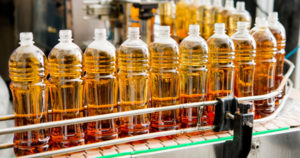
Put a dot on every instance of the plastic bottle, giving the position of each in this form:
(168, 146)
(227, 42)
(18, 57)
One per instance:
(223, 16)
(182, 17)
(164, 80)
(206, 26)
(245, 51)
(279, 33)
(264, 77)
(28, 71)
(220, 67)
(240, 14)
(215, 10)
(133, 78)
(193, 74)
(100, 87)
(66, 91)
(166, 12)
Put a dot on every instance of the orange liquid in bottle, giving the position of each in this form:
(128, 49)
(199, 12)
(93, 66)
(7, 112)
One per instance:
(206, 23)
(166, 10)
(223, 16)
(240, 14)
(220, 67)
(193, 75)
(100, 86)
(133, 83)
(245, 47)
(27, 70)
(164, 80)
(66, 91)
(182, 18)
(264, 68)
(279, 33)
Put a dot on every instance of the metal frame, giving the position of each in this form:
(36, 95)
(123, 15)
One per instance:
(138, 112)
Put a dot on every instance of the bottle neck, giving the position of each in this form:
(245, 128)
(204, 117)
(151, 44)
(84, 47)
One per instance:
(26, 43)
(133, 36)
(65, 40)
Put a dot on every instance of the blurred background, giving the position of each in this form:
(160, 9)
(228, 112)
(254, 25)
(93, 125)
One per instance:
(46, 17)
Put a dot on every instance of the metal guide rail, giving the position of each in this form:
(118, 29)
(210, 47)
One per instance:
(285, 82)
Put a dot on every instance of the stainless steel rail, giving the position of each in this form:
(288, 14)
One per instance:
(117, 141)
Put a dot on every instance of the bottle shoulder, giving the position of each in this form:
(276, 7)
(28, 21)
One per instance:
(278, 31)
(220, 41)
(100, 48)
(62, 50)
(264, 37)
(28, 54)
(194, 43)
(162, 46)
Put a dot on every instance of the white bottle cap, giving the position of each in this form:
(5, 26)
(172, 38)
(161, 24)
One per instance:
(229, 4)
(99, 33)
(164, 31)
(219, 28)
(241, 25)
(206, 2)
(273, 17)
(194, 30)
(261, 22)
(217, 3)
(26, 38)
(240, 5)
(133, 32)
(65, 34)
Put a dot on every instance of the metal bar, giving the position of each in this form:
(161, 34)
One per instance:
(141, 111)
(7, 117)
(117, 141)
(5, 146)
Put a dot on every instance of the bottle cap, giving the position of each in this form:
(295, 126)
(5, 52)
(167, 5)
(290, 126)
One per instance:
(242, 25)
(240, 5)
(100, 33)
(65, 34)
(261, 22)
(133, 32)
(164, 31)
(26, 36)
(219, 27)
(206, 2)
(217, 3)
(273, 17)
(194, 29)
(229, 4)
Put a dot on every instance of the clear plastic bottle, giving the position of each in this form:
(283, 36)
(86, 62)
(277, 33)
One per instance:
(223, 16)
(240, 14)
(164, 80)
(133, 82)
(193, 59)
(220, 67)
(100, 87)
(66, 91)
(264, 77)
(166, 13)
(28, 71)
(182, 18)
(245, 51)
(215, 10)
(206, 26)
(279, 33)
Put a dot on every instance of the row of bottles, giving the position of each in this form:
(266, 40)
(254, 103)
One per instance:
(206, 15)
(140, 77)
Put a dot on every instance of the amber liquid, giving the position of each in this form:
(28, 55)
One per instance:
(234, 18)
(182, 18)
(66, 91)
(280, 38)
(100, 87)
(27, 72)
(223, 17)
(193, 76)
(244, 67)
(220, 71)
(133, 86)
(206, 23)
(264, 71)
(165, 85)
(166, 15)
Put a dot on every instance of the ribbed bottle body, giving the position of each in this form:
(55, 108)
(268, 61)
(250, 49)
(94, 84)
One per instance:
(133, 81)
(66, 94)
(164, 83)
(27, 71)
(264, 79)
(220, 70)
(193, 76)
(100, 88)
